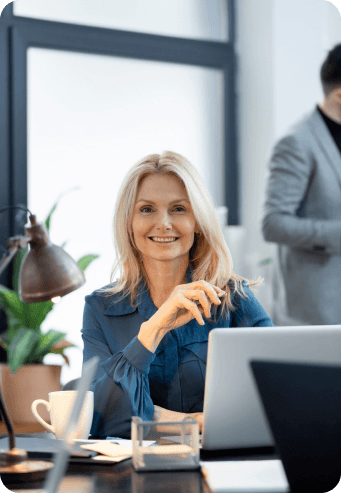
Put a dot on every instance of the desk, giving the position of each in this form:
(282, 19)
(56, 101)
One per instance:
(122, 478)
(23, 428)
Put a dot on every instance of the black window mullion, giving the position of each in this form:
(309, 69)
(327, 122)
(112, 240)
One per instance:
(5, 136)
(19, 125)
(53, 35)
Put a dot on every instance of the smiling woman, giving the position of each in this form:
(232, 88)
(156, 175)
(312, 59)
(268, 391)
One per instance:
(148, 327)
(163, 232)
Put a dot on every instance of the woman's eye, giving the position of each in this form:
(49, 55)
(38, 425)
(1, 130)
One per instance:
(178, 207)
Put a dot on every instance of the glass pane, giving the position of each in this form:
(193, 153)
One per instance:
(90, 118)
(198, 19)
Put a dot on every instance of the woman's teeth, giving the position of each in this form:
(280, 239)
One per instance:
(163, 241)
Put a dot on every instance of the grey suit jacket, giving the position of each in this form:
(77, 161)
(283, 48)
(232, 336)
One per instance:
(302, 213)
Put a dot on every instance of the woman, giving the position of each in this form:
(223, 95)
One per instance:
(150, 328)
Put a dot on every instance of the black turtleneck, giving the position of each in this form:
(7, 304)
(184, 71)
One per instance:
(334, 128)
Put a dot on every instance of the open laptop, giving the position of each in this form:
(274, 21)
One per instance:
(302, 403)
(233, 411)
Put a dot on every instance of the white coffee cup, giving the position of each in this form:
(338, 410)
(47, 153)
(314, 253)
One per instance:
(59, 407)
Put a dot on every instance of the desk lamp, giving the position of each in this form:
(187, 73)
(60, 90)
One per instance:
(47, 271)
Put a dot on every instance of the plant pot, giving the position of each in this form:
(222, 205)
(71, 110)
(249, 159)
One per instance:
(29, 383)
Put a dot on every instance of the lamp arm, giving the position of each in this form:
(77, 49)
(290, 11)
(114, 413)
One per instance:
(7, 257)
(14, 244)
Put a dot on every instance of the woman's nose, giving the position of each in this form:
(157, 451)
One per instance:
(164, 218)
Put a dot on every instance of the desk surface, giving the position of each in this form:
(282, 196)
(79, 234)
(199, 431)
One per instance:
(23, 428)
(122, 478)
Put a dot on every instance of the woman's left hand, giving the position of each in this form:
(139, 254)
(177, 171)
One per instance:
(199, 417)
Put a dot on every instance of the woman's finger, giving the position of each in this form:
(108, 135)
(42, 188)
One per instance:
(193, 308)
(213, 292)
(200, 296)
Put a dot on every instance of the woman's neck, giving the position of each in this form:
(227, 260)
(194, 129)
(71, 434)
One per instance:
(163, 278)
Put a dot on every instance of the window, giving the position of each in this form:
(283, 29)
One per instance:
(87, 102)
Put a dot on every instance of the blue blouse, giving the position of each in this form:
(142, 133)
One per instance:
(130, 379)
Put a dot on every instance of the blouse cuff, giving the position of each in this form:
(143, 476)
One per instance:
(138, 355)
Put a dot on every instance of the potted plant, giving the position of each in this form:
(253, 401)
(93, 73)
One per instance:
(24, 378)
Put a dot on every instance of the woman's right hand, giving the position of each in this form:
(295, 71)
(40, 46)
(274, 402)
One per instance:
(187, 301)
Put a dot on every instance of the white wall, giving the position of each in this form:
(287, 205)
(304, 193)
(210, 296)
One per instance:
(281, 45)
(90, 118)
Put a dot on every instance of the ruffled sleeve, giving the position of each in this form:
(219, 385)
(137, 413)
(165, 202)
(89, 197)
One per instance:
(121, 385)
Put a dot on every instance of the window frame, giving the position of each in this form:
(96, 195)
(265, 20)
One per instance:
(17, 34)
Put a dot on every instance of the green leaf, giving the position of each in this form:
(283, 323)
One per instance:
(47, 341)
(33, 356)
(18, 259)
(48, 219)
(10, 301)
(86, 260)
(35, 313)
(20, 347)
(30, 315)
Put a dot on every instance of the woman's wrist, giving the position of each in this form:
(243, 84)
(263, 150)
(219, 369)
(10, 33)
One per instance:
(150, 337)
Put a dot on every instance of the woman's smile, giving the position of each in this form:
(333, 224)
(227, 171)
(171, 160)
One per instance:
(164, 241)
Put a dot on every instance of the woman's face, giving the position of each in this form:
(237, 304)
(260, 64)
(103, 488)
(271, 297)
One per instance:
(162, 209)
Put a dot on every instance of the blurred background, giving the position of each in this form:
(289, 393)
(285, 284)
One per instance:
(92, 87)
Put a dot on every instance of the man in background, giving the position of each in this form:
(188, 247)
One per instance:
(302, 210)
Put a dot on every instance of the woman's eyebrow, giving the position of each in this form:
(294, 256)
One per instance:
(173, 201)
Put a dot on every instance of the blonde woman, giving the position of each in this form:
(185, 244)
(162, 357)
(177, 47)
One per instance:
(150, 327)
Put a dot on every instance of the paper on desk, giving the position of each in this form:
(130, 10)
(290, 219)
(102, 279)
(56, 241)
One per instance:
(256, 476)
(111, 459)
(108, 448)
(119, 441)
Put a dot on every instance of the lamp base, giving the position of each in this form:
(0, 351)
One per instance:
(28, 470)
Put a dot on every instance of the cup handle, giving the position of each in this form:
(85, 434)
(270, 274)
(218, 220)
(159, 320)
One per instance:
(39, 418)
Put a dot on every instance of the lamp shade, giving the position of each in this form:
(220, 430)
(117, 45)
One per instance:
(47, 270)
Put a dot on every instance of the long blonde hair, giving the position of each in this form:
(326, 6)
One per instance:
(209, 255)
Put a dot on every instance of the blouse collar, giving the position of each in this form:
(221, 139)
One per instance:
(144, 303)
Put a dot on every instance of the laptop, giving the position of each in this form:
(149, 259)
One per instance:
(233, 412)
(303, 406)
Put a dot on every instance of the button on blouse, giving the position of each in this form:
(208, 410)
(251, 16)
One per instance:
(130, 379)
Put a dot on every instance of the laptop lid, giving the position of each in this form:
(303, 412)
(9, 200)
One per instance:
(233, 413)
(56, 474)
(303, 407)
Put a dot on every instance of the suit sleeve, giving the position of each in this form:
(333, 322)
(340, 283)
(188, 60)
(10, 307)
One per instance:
(289, 174)
(121, 385)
